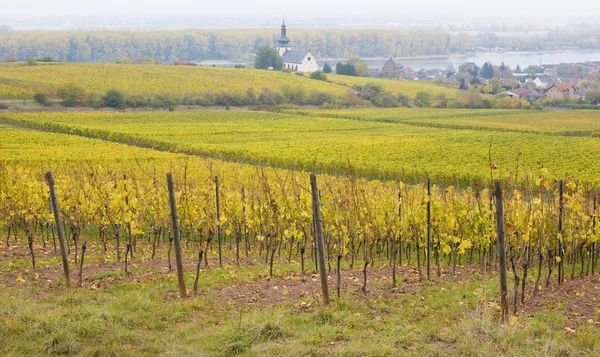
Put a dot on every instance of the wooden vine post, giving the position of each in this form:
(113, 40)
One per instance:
(59, 228)
(176, 238)
(594, 257)
(316, 205)
(218, 219)
(561, 268)
(428, 228)
(501, 249)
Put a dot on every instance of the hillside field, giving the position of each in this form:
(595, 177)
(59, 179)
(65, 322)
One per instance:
(408, 88)
(240, 309)
(19, 81)
(444, 144)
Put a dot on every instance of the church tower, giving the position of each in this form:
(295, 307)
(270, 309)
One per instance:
(283, 44)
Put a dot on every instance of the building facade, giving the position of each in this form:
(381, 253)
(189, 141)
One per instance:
(562, 90)
(296, 60)
(390, 70)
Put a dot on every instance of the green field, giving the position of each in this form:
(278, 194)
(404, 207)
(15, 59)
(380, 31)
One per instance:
(409, 88)
(410, 146)
(20, 81)
(240, 310)
(573, 123)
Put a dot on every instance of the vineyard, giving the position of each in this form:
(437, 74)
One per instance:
(383, 144)
(408, 88)
(23, 81)
(410, 258)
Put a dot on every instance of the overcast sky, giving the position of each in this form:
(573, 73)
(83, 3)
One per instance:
(258, 8)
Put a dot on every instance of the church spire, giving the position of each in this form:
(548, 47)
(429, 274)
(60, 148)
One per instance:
(283, 40)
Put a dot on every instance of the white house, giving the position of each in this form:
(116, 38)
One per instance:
(296, 60)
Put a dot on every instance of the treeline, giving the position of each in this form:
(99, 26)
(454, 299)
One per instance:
(234, 44)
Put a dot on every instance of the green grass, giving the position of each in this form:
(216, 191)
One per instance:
(137, 319)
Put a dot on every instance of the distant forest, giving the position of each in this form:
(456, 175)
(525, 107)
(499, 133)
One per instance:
(241, 44)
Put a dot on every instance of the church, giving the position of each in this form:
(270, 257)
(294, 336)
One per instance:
(298, 61)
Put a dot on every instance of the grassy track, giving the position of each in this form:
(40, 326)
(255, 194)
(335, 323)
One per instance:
(138, 314)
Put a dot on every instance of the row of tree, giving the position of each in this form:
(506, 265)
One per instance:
(167, 46)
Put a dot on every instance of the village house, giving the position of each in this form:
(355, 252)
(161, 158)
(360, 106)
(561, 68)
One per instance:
(524, 93)
(296, 60)
(390, 70)
(408, 74)
(562, 90)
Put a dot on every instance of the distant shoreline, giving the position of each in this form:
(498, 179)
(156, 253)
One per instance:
(451, 55)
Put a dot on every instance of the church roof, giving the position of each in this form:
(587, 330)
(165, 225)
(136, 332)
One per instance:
(283, 41)
(294, 56)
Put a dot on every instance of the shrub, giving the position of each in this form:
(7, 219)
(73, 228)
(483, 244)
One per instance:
(422, 99)
(318, 75)
(269, 97)
(385, 100)
(31, 62)
(40, 98)
(114, 99)
(294, 95)
(71, 94)
(94, 100)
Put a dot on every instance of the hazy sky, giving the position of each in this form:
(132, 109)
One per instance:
(467, 8)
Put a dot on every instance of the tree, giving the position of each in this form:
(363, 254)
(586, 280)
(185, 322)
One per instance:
(502, 67)
(318, 75)
(493, 86)
(463, 41)
(114, 99)
(40, 98)
(533, 69)
(462, 85)
(71, 94)
(266, 57)
(31, 61)
(345, 69)
(362, 68)
(518, 69)
(593, 96)
(422, 99)
(327, 68)
(487, 71)
(353, 60)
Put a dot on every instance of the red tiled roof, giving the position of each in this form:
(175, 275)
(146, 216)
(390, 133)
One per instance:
(563, 87)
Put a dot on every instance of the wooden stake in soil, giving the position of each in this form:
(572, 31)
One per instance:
(176, 238)
(218, 219)
(83, 247)
(319, 237)
(197, 272)
(561, 268)
(59, 228)
(594, 257)
(428, 228)
(128, 249)
(501, 249)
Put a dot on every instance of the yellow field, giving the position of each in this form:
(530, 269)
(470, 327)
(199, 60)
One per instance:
(19, 81)
(409, 88)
